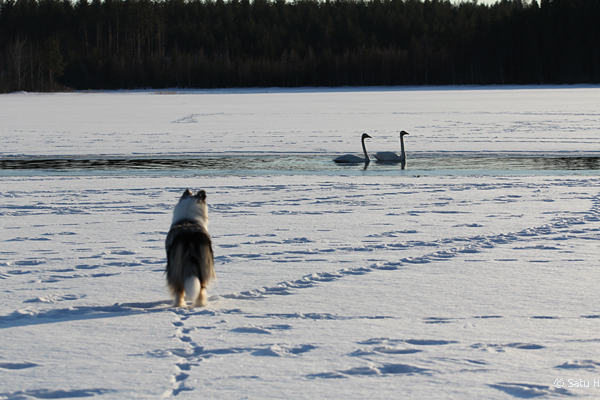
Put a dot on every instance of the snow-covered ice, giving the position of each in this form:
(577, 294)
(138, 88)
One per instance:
(329, 286)
(306, 121)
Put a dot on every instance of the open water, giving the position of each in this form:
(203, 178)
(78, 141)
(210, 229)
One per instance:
(481, 164)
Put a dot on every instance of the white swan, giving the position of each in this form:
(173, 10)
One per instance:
(351, 158)
(389, 156)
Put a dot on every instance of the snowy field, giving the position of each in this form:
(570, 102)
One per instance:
(350, 284)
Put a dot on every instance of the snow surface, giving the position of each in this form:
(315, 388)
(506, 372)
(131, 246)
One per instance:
(339, 286)
(560, 120)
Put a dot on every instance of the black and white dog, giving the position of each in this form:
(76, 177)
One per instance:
(190, 266)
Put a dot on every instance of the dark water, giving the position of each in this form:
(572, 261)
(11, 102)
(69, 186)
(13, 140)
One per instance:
(294, 164)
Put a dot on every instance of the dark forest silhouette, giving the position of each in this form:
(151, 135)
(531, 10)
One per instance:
(124, 44)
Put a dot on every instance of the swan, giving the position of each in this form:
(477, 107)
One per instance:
(389, 156)
(351, 158)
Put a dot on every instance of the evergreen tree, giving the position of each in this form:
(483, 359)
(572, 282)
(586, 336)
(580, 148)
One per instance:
(110, 44)
(52, 61)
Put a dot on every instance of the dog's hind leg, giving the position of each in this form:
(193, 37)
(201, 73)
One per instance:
(179, 299)
(202, 299)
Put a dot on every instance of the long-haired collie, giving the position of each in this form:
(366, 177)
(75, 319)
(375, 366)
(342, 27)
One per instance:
(190, 266)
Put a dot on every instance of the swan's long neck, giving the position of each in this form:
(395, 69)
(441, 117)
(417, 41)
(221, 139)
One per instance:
(367, 159)
(402, 152)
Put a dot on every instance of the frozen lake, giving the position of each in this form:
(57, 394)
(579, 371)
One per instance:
(468, 275)
(452, 131)
(538, 121)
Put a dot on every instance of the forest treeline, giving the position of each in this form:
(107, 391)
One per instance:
(111, 44)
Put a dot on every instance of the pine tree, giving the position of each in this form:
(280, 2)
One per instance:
(52, 61)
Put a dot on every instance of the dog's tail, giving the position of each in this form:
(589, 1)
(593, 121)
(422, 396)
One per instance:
(192, 288)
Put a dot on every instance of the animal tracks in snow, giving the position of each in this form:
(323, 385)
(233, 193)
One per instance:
(193, 118)
(528, 391)
(467, 246)
(55, 394)
(190, 354)
(372, 370)
(500, 348)
(267, 330)
(319, 278)
(406, 249)
(580, 364)
(19, 365)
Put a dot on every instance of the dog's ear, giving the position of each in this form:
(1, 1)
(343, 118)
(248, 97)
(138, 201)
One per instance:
(187, 193)
(201, 195)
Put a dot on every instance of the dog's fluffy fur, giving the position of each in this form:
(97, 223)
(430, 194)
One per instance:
(190, 266)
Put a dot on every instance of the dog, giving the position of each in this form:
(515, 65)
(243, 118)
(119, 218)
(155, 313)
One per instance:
(190, 262)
